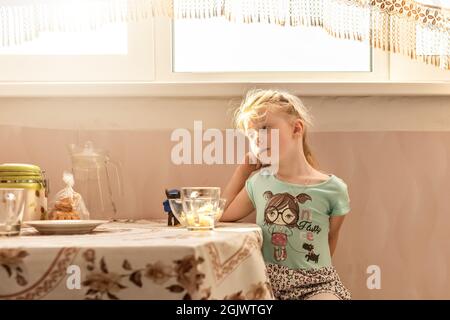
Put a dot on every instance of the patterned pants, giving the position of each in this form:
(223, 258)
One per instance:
(290, 284)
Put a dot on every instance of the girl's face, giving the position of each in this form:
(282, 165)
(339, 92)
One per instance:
(263, 137)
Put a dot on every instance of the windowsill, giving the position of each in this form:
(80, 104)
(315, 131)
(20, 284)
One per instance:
(217, 89)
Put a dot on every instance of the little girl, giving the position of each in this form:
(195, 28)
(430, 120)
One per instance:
(299, 208)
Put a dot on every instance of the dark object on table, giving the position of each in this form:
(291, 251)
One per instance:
(171, 194)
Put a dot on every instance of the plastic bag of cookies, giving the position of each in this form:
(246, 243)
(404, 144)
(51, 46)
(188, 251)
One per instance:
(68, 204)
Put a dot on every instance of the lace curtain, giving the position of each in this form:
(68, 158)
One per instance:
(419, 29)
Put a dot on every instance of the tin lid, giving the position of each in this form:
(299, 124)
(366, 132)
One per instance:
(19, 169)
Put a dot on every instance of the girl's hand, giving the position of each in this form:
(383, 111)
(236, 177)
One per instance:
(251, 163)
(238, 204)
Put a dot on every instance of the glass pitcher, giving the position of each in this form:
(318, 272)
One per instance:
(94, 173)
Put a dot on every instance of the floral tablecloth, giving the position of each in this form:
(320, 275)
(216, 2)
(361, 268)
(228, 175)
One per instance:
(140, 260)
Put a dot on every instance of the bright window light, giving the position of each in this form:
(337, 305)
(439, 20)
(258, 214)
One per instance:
(223, 46)
(110, 39)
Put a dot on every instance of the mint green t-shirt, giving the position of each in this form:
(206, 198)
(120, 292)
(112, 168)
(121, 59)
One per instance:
(295, 218)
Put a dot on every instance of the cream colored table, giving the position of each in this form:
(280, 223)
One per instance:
(140, 260)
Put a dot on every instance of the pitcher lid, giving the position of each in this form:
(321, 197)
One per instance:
(87, 151)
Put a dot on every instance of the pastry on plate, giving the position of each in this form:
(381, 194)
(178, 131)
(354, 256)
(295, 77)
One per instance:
(63, 210)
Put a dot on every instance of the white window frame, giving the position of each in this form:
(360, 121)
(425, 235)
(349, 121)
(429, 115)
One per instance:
(165, 30)
(383, 80)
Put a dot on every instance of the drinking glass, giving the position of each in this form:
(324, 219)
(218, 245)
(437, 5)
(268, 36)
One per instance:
(12, 205)
(200, 192)
(200, 213)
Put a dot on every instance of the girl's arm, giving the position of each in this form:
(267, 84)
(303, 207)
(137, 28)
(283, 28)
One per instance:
(239, 208)
(238, 204)
(333, 235)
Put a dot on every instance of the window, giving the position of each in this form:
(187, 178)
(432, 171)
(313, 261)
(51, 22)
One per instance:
(206, 57)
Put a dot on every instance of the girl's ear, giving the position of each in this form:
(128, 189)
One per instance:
(267, 195)
(298, 127)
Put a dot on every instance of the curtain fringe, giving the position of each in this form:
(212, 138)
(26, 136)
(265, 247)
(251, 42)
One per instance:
(392, 25)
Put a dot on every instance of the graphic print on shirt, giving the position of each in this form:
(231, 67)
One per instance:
(282, 214)
(311, 255)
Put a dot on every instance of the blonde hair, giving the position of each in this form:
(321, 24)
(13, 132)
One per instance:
(258, 101)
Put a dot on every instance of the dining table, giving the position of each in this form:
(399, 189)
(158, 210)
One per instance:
(136, 259)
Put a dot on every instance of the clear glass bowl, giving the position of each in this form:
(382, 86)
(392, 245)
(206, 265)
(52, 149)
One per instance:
(220, 209)
(176, 205)
(177, 209)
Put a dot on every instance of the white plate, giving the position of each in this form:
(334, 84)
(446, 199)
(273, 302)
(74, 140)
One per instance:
(65, 226)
